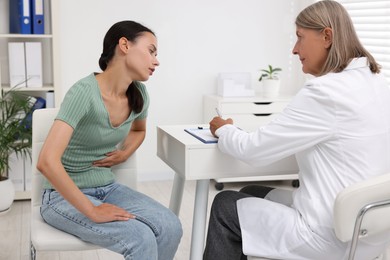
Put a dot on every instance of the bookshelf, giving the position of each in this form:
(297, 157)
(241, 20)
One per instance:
(50, 47)
(50, 60)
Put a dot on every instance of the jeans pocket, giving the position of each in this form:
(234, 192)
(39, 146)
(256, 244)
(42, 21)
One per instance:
(45, 197)
(45, 201)
(50, 197)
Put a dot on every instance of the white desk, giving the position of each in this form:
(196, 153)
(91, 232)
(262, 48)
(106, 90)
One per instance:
(193, 160)
(248, 113)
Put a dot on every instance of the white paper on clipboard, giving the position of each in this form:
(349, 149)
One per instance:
(202, 134)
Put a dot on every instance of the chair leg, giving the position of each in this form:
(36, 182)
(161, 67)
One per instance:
(358, 223)
(33, 252)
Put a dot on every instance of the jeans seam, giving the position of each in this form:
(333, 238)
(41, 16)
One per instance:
(143, 220)
(150, 225)
(111, 191)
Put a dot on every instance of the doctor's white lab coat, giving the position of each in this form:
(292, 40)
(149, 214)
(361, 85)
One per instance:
(338, 126)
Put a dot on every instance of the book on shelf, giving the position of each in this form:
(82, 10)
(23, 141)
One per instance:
(26, 16)
(33, 52)
(25, 64)
(20, 16)
(39, 103)
(37, 17)
(17, 64)
(49, 96)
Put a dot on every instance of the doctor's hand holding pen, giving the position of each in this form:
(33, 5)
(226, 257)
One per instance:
(218, 121)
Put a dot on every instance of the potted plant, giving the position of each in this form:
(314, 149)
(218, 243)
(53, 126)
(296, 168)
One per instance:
(15, 137)
(271, 82)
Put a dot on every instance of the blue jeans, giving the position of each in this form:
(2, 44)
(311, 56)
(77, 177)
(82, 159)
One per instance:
(154, 234)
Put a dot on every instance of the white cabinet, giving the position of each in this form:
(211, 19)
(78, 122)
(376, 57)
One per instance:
(249, 113)
(50, 73)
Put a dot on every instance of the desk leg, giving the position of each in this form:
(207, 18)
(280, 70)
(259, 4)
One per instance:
(177, 194)
(199, 221)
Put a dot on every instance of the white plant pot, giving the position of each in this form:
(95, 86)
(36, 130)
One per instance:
(271, 88)
(7, 195)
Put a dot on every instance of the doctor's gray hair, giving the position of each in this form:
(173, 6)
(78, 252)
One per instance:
(345, 42)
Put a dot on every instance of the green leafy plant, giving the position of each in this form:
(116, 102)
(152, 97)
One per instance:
(15, 128)
(270, 73)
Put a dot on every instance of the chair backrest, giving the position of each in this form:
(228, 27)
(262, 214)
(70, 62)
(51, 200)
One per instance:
(43, 119)
(355, 197)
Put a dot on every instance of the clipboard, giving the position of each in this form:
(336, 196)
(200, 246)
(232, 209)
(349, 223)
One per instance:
(202, 134)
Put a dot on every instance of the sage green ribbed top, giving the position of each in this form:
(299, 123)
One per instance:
(93, 136)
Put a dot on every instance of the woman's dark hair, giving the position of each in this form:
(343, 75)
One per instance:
(130, 30)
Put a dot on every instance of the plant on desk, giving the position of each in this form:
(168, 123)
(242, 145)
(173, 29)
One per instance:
(15, 137)
(271, 82)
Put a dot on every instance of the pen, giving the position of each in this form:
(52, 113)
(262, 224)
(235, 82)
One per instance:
(218, 112)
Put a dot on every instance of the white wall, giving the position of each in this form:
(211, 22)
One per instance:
(197, 39)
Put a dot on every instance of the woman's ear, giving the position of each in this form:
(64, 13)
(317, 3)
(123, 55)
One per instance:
(123, 44)
(328, 37)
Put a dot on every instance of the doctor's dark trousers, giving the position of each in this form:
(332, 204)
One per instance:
(224, 233)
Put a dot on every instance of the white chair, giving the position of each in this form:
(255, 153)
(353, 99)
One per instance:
(361, 211)
(43, 236)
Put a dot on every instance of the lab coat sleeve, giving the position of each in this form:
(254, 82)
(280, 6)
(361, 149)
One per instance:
(310, 118)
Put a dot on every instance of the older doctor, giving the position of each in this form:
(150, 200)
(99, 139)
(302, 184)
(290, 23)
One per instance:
(338, 126)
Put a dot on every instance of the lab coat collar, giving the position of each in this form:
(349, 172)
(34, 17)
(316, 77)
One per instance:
(357, 63)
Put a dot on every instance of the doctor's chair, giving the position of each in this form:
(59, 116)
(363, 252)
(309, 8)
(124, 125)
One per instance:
(362, 213)
(43, 236)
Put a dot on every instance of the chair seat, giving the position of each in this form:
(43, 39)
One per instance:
(381, 257)
(47, 238)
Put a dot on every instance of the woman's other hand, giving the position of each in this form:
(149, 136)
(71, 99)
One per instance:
(108, 212)
(113, 158)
